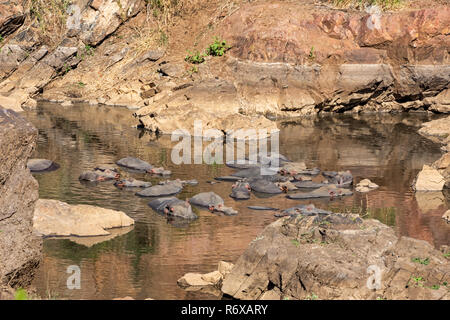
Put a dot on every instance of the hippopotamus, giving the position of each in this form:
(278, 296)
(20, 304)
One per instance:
(211, 201)
(228, 178)
(262, 208)
(160, 171)
(135, 164)
(242, 164)
(98, 175)
(306, 210)
(132, 183)
(325, 191)
(264, 186)
(286, 186)
(310, 184)
(191, 182)
(302, 177)
(292, 168)
(174, 207)
(41, 165)
(340, 178)
(271, 158)
(161, 190)
(255, 173)
(240, 190)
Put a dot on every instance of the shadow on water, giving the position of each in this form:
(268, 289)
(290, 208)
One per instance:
(145, 261)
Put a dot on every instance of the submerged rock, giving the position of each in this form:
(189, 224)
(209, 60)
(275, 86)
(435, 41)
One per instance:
(56, 218)
(429, 179)
(326, 191)
(366, 185)
(40, 165)
(174, 207)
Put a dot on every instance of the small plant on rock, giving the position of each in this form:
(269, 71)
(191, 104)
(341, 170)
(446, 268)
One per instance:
(195, 58)
(217, 48)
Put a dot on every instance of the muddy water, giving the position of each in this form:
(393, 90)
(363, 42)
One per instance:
(145, 261)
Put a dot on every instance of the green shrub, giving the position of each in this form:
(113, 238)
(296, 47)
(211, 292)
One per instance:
(217, 48)
(195, 58)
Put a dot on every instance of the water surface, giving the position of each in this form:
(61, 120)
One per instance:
(146, 260)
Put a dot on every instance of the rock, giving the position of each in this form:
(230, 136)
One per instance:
(56, 218)
(134, 164)
(39, 165)
(428, 179)
(446, 216)
(213, 278)
(437, 130)
(326, 191)
(66, 103)
(192, 280)
(12, 16)
(10, 103)
(366, 185)
(225, 267)
(298, 257)
(20, 249)
(151, 55)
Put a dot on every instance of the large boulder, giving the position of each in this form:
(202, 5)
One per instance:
(20, 249)
(429, 179)
(56, 218)
(310, 257)
(12, 17)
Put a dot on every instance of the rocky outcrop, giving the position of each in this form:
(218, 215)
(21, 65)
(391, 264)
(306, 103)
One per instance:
(429, 179)
(20, 249)
(27, 64)
(305, 257)
(56, 218)
(439, 132)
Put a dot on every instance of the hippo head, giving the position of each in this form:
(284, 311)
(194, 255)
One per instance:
(223, 209)
(241, 190)
(180, 209)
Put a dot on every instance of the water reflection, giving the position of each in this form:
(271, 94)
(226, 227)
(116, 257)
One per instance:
(147, 261)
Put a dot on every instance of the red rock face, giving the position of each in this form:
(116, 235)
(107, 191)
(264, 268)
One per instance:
(296, 33)
(11, 17)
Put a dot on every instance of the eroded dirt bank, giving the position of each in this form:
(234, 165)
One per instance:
(286, 59)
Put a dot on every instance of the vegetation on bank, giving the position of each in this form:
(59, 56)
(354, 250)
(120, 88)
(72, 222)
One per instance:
(216, 49)
(362, 4)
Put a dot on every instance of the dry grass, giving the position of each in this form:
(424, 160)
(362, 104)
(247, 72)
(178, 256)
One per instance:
(51, 16)
(362, 4)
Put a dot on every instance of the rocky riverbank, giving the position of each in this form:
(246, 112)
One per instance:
(286, 59)
(20, 249)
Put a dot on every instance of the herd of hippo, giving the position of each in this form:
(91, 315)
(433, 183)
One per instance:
(258, 176)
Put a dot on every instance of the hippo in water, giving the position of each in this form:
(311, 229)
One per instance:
(228, 178)
(135, 164)
(323, 192)
(98, 175)
(240, 190)
(286, 186)
(264, 186)
(211, 201)
(306, 210)
(174, 207)
(161, 190)
(41, 165)
(310, 184)
(160, 171)
(340, 178)
(292, 168)
(132, 183)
